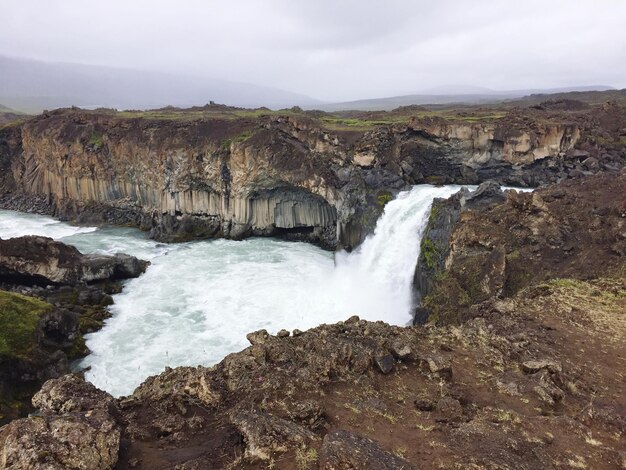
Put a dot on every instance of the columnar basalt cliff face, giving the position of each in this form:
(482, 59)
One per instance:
(235, 175)
(163, 170)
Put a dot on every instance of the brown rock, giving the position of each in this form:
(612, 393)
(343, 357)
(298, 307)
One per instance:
(448, 410)
(437, 364)
(72, 441)
(342, 450)
(48, 261)
(384, 363)
(71, 393)
(401, 348)
(265, 433)
(532, 367)
(257, 337)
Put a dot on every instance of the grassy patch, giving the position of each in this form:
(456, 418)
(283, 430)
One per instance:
(243, 137)
(306, 457)
(19, 316)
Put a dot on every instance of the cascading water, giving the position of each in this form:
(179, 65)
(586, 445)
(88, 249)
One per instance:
(197, 300)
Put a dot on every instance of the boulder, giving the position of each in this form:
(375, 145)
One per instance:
(42, 260)
(384, 363)
(265, 433)
(71, 393)
(73, 441)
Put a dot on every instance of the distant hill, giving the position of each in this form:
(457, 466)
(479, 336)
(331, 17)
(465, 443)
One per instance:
(7, 115)
(589, 97)
(451, 95)
(31, 86)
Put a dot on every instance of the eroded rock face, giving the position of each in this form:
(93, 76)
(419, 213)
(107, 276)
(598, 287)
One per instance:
(266, 434)
(286, 176)
(42, 260)
(70, 394)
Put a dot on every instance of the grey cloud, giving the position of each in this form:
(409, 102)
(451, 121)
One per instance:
(332, 49)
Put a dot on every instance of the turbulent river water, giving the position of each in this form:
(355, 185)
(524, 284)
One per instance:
(198, 300)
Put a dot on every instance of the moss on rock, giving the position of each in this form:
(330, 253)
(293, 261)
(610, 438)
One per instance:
(19, 317)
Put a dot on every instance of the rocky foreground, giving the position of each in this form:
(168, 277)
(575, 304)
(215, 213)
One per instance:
(513, 371)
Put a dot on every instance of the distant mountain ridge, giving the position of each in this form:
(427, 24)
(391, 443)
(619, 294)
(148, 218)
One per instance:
(30, 86)
(445, 95)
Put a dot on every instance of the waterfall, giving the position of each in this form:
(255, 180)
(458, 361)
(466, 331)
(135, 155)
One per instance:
(198, 300)
(381, 270)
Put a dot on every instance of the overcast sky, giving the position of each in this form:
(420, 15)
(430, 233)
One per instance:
(333, 49)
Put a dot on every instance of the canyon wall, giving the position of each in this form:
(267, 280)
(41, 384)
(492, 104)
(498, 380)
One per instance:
(236, 176)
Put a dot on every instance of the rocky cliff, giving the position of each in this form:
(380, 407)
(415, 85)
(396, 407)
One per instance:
(310, 176)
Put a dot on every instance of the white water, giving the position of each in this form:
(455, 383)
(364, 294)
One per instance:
(198, 300)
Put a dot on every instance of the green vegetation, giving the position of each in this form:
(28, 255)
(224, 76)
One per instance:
(19, 316)
(383, 198)
(430, 253)
(92, 319)
(96, 140)
(447, 300)
(243, 137)
(599, 290)
(358, 121)
(226, 143)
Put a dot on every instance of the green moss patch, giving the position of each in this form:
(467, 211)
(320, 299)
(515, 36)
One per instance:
(19, 316)
(430, 252)
(383, 197)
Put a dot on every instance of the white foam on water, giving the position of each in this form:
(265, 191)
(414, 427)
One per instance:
(16, 224)
(198, 300)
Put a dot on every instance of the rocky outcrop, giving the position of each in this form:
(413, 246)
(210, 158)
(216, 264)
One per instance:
(33, 337)
(51, 296)
(41, 260)
(85, 436)
(476, 247)
(232, 174)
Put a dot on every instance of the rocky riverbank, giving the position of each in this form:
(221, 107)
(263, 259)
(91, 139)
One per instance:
(516, 370)
(50, 296)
